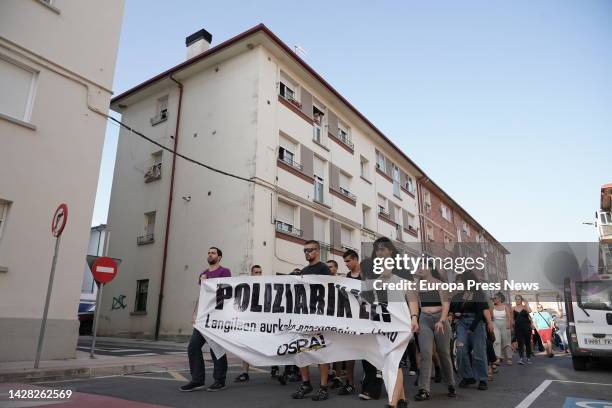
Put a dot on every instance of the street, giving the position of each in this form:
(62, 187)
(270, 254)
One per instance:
(113, 348)
(548, 383)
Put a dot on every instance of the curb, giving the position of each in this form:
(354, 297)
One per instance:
(58, 374)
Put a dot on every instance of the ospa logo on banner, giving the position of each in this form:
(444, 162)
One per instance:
(302, 320)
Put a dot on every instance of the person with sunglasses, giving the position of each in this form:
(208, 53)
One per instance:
(312, 253)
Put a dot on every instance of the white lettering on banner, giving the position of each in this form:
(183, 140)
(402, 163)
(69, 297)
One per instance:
(302, 320)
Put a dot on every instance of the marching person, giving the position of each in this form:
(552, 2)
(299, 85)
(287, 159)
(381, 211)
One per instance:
(194, 350)
(333, 267)
(503, 321)
(434, 331)
(244, 377)
(351, 260)
(312, 253)
(543, 322)
(471, 310)
(384, 248)
(522, 329)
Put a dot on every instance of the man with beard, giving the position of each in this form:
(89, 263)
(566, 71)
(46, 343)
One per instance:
(194, 350)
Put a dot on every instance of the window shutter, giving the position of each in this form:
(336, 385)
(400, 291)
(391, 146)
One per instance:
(334, 177)
(306, 101)
(306, 159)
(332, 123)
(285, 213)
(306, 223)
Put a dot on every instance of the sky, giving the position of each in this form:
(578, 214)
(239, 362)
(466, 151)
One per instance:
(505, 105)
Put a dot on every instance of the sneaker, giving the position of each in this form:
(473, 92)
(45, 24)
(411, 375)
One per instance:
(402, 404)
(336, 383)
(529, 361)
(244, 377)
(379, 374)
(321, 395)
(217, 386)
(304, 388)
(282, 379)
(451, 392)
(466, 382)
(521, 361)
(293, 377)
(364, 396)
(346, 389)
(482, 386)
(191, 386)
(412, 373)
(422, 395)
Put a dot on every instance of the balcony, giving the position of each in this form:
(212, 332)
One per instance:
(344, 194)
(145, 239)
(159, 118)
(383, 213)
(343, 139)
(289, 161)
(154, 173)
(289, 229)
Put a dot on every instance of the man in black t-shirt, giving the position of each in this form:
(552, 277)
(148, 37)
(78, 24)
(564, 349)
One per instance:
(312, 252)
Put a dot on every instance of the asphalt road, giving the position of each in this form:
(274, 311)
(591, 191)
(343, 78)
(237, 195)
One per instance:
(548, 383)
(118, 349)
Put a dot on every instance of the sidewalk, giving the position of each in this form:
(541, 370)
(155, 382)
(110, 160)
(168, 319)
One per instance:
(85, 367)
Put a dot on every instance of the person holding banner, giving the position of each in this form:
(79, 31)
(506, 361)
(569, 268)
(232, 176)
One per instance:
(312, 253)
(194, 350)
(384, 248)
(244, 377)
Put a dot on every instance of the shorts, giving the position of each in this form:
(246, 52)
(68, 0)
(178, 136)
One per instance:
(545, 335)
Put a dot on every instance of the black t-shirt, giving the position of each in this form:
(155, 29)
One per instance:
(476, 305)
(317, 269)
(348, 275)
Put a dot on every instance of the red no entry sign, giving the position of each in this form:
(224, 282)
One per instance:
(104, 269)
(59, 220)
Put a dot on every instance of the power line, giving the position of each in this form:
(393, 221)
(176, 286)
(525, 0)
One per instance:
(189, 159)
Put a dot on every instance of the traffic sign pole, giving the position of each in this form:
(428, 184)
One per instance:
(43, 325)
(95, 327)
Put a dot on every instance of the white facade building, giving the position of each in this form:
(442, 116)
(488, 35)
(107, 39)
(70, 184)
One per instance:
(250, 107)
(57, 61)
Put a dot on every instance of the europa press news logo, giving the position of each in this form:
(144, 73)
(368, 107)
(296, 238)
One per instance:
(314, 343)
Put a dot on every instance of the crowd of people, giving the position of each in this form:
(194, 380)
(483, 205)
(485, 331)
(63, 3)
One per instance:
(485, 333)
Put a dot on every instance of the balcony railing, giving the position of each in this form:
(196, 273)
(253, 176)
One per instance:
(159, 118)
(347, 247)
(145, 239)
(347, 193)
(344, 138)
(290, 98)
(154, 173)
(288, 229)
(384, 213)
(291, 162)
(325, 249)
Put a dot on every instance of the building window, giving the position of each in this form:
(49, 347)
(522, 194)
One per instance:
(318, 114)
(396, 181)
(161, 113)
(18, 84)
(343, 134)
(427, 200)
(142, 290)
(365, 213)
(409, 184)
(319, 179)
(287, 152)
(380, 161)
(364, 167)
(430, 233)
(288, 89)
(344, 184)
(285, 219)
(320, 235)
(4, 207)
(448, 243)
(466, 228)
(346, 238)
(154, 172)
(446, 212)
(149, 229)
(382, 206)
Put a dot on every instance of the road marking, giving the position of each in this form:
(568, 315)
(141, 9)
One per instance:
(529, 399)
(142, 377)
(581, 382)
(176, 375)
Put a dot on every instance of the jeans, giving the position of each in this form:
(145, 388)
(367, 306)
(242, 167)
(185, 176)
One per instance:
(196, 360)
(428, 337)
(471, 349)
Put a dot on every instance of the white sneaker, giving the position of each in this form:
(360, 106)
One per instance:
(521, 361)
(529, 361)
(365, 396)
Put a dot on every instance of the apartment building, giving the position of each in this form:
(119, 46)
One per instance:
(311, 166)
(57, 61)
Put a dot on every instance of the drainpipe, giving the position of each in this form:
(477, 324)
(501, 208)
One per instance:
(169, 213)
(421, 206)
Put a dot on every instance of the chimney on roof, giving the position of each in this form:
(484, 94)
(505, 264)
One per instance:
(198, 43)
